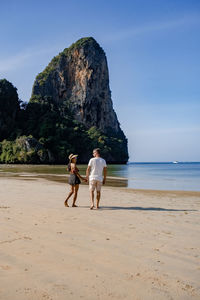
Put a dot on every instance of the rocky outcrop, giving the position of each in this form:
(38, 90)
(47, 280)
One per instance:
(79, 75)
(9, 108)
(70, 111)
(76, 83)
(23, 150)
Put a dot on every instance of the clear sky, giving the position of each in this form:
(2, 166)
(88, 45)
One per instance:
(153, 52)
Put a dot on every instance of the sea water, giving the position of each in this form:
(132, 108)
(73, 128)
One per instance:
(154, 176)
(162, 176)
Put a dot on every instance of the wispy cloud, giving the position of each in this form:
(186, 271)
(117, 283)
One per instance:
(26, 57)
(154, 27)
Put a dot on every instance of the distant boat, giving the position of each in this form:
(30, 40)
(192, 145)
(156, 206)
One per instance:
(175, 162)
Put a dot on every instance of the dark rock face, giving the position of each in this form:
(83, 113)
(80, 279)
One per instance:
(80, 76)
(9, 108)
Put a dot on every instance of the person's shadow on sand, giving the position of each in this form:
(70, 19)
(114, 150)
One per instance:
(143, 208)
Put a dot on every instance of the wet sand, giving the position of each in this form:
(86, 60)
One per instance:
(140, 245)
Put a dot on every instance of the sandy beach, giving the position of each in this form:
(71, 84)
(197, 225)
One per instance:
(140, 245)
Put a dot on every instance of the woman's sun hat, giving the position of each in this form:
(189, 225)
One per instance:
(71, 156)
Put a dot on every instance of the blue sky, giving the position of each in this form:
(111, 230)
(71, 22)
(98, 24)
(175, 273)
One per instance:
(153, 52)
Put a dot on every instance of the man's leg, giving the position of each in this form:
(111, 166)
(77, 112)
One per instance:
(98, 198)
(92, 188)
(92, 199)
(98, 187)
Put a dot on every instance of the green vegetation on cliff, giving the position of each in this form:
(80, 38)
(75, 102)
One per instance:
(9, 109)
(88, 41)
(43, 132)
(18, 151)
(70, 110)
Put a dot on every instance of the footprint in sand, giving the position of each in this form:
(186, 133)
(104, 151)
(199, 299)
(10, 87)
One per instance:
(188, 286)
(10, 241)
(167, 232)
(61, 286)
(27, 238)
(5, 267)
(131, 277)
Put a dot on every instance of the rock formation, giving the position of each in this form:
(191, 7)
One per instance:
(9, 108)
(79, 75)
(70, 110)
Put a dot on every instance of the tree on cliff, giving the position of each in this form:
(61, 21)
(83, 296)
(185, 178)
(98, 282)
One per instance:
(9, 109)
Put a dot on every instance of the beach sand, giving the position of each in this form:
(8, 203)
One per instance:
(140, 245)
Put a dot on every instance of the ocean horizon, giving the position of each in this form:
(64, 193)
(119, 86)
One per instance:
(163, 162)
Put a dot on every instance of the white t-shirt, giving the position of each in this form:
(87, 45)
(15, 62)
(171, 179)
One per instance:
(97, 165)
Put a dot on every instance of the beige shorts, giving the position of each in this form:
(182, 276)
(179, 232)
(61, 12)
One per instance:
(95, 184)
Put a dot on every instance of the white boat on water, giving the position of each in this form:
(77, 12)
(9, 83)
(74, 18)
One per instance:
(175, 162)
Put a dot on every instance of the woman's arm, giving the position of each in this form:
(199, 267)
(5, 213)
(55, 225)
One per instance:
(76, 172)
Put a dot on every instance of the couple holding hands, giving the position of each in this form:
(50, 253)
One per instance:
(95, 175)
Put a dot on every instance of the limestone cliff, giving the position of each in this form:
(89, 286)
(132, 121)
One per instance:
(78, 77)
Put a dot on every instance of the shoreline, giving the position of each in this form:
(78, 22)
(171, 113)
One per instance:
(160, 192)
(115, 182)
(130, 179)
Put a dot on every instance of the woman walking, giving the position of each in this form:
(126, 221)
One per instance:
(74, 179)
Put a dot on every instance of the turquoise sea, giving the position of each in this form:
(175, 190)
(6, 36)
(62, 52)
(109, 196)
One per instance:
(156, 176)
(163, 176)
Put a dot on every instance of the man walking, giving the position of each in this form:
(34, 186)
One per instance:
(96, 168)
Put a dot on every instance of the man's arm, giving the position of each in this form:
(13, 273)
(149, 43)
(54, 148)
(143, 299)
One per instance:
(104, 174)
(80, 177)
(88, 172)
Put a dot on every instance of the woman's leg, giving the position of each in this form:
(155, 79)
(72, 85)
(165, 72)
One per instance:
(69, 195)
(75, 195)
